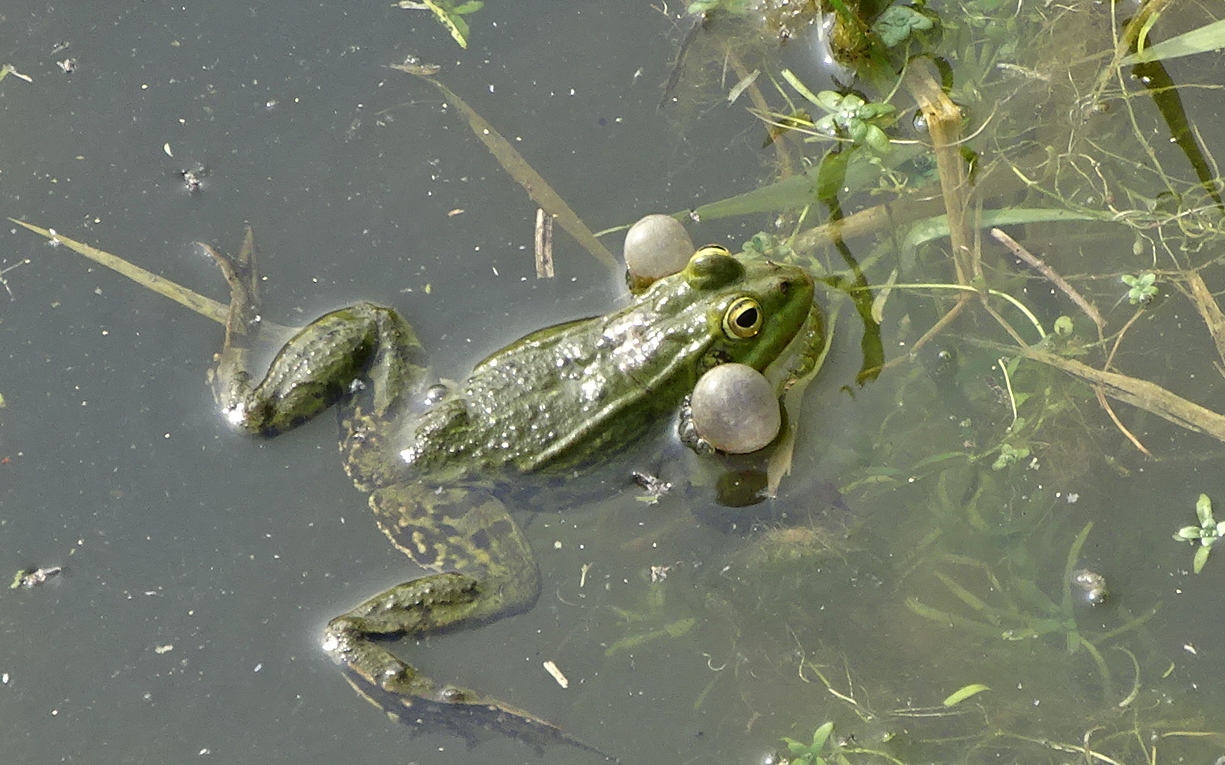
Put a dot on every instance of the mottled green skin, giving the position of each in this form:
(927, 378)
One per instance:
(557, 399)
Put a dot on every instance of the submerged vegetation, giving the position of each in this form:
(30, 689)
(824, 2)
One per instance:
(1026, 366)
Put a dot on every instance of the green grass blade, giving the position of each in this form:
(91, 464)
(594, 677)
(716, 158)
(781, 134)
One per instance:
(1206, 39)
(532, 182)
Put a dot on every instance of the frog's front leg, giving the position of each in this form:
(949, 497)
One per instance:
(365, 357)
(364, 349)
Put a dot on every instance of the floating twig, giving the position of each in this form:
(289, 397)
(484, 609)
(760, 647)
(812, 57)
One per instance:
(1052, 276)
(1101, 400)
(1193, 286)
(4, 282)
(31, 578)
(1141, 394)
(944, 126)
(544, 244)
(206, 307)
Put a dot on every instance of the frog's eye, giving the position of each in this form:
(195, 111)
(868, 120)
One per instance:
(743, 319)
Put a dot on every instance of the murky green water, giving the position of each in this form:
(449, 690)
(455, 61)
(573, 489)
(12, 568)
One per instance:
(200, 567)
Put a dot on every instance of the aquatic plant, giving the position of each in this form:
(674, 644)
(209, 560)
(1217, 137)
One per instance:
(1207, 533)
(810, 753)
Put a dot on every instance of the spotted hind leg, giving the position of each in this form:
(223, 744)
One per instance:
(484, 570)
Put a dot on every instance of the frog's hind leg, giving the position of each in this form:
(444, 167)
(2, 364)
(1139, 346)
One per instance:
(485, 571)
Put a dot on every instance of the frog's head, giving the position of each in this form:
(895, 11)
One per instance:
(753, 308)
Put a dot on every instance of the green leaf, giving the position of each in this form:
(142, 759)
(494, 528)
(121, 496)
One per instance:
(828, 100)
(897, 22)
(875, 110)
(1167, 97)
(963, 693)
(1189, 533)
(1206, 39)
(1201, 557)
(830, 177)
(730, 7)
(680, 627)
(459, 29)
(820, 735)
(937, 226)
(472, 6)
(449, 17)
(801, 88)
(1203, 510)
(877, 139)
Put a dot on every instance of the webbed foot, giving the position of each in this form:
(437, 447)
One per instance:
(404, 694)
(229, 375)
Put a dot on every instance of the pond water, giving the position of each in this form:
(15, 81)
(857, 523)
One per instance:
(200, 567)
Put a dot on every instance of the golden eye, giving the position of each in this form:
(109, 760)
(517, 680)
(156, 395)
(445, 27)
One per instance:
(743, 319)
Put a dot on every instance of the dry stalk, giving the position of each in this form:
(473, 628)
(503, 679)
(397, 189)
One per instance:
(1118, 338)
(878, 218)
(1052, 276)
(1127, 41)
(1141, 394)
(1101, 400)
(784, 161)
(1192, 285)
(944, 128)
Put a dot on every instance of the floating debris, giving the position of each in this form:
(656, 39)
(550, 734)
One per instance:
(8, 69)
(193, 180)
(552, 669)
(31, 578)
(654, 486)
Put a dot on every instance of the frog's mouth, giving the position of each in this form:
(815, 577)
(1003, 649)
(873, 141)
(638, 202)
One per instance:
(803, 354)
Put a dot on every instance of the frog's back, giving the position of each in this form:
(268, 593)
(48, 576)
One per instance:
(566, 395)
(554, 399)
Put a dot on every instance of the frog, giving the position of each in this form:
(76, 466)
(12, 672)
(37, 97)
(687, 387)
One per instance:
(434, 460)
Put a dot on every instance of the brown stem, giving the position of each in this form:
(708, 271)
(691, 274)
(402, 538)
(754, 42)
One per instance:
(944, 127)
(1052, 276)
(1141, 394)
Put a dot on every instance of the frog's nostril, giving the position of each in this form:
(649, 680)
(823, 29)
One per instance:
(785, 287)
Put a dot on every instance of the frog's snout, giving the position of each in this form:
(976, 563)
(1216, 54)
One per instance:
(794, 281)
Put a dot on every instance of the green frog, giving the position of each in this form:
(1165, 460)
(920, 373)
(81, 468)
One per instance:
(433, 459)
